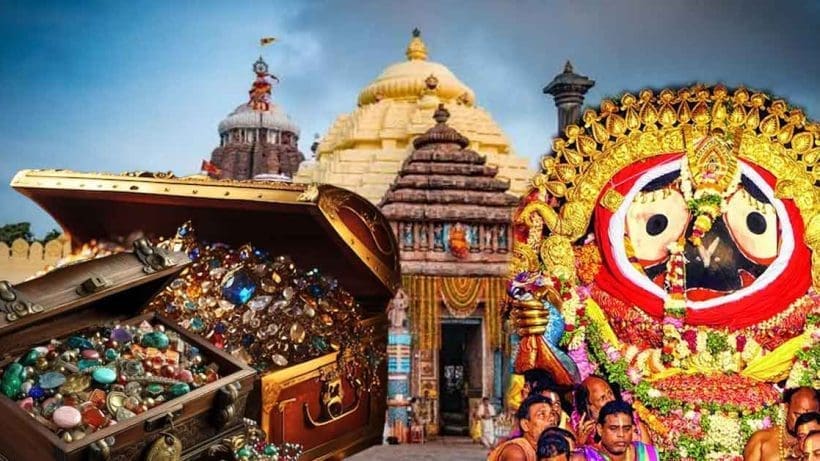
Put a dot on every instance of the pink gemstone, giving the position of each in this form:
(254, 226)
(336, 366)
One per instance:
(91, 354)
(67, 417)
(185, 376)
(26, 404)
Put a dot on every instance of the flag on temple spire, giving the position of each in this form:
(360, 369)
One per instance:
(211, 169)
(265, 41)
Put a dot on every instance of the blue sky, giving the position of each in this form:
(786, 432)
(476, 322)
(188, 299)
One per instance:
(141, 85)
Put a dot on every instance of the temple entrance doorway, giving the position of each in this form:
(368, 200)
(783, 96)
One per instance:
(460, 372)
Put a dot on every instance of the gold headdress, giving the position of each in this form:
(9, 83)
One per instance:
(773, 136)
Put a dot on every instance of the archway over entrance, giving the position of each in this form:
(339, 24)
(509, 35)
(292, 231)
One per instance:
(460, 372)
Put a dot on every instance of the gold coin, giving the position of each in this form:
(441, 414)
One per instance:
(114, 401)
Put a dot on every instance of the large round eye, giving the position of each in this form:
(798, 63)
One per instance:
(754, 227)
(653, 221)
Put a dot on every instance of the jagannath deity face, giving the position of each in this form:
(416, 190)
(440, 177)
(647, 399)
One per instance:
(749, 235)
(736, 245)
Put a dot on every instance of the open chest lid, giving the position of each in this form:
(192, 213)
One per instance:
(85, 294)
(319, 226)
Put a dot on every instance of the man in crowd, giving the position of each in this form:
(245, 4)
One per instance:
(552, 447)
(769, 443)
(485, 414)
(616, 425)
(593, 393)
(811, 446)
(805, 424)
(534, 415)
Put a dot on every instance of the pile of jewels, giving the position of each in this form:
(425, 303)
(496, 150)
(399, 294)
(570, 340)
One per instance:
(258, 450)
(97, 378)
(266, 311)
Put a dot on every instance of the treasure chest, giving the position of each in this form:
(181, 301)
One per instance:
(314, 402)
(62, 401)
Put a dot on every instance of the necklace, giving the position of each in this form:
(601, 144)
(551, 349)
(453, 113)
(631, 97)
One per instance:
(781, 449)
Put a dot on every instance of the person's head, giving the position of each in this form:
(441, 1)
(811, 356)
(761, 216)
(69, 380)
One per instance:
(534, 415)
(799, 400)
(807, 422)
(534, 378)
(811, 446)
(593, 393)
(615, 426)
(550, 392)
(552, 447)
(567, 435)
(485, 400)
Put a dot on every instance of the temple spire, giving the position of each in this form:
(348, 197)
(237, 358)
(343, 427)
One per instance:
(416, 50)
(568, 90)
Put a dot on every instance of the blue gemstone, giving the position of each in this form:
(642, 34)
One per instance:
(316, 291)
(36, 392)
(121, 335)
(170, 308)
(183, 230)
(215, 263)
(78, 342)
(219, 328)
(247, 340)
(51, 379)
(190, 305)
(197, 324)
(238, 288)
(194, 254)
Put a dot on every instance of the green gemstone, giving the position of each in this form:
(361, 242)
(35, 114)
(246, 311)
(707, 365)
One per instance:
(179, 389)
(88, 363)
(269, 450)
(244, 452)
(155, 339)
(30, 358)
(153, 389)
(11, 387)
(111, 354)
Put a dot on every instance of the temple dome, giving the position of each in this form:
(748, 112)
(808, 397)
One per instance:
(245, 117)
(363, 150)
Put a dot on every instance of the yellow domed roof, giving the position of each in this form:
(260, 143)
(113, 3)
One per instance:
(409, 79)
(363, 150)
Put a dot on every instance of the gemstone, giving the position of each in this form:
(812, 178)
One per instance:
(259, 302)
(238, 287)
(97, 397)
(133, 388)
(288, 293)
(155, 339)
(67, 417)
(279, 360)
(12, 380)
(104, 375)
(90, 354)
(316, 291)
(93, 416)
(36, 392)
(78, 342)
(26, 404)
(85, 363)
(30, 358)
(145, 327)
(153, 389)
(75, 383)
(297, 333)
(121, 335)
(185, 376)
(111, 354)
(244, 453)
(124, 413)
(310, 312)
(278, 305)
(26, 386)
(51, 380)
(248, 315)
(269, 450)
(227, 305)
(196, 324)
(51, 404)
(179, 389)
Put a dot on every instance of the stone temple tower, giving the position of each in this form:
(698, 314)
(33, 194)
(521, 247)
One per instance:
(257, 140)
(568, 89)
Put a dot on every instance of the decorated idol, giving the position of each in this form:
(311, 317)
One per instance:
(672, 245)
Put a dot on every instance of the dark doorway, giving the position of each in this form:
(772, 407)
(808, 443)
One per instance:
(459, 373)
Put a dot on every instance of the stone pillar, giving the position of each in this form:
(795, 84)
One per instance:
(568, 90)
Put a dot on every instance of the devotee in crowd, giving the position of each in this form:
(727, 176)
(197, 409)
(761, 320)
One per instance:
(811, 447)
(806, 423)
(591, 395)
(616, 428)
(534, 415)
(540, 382)
(485, 414)
(781, 442)
(553, 447)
